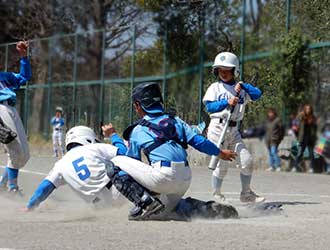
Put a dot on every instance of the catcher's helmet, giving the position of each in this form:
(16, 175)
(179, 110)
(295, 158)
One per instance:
(149, 96)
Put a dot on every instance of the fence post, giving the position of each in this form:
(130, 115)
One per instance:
(6, 58)
(201, 68)
(243, 40)
(288, 15)
(132, 74)
(49, 81)
(164, 84)
(26, 102)
(101, 104)
(74, 94)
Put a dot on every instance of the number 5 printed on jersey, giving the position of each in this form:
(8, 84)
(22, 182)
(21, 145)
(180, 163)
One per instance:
(81, 169)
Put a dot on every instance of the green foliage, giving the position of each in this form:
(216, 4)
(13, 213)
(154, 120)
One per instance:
(292, 66)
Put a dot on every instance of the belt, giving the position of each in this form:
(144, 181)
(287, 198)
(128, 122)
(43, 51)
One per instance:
(231, 123)
(58, 129)
(168, 164)
(8, 102)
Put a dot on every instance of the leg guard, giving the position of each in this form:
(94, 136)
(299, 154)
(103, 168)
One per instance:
(193, 208)
(128, 187)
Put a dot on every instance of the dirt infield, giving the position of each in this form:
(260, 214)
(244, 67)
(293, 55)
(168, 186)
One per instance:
(65, 222)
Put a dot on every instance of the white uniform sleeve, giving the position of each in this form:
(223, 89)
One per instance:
(108, 151)
(55, 176)
(211, 94)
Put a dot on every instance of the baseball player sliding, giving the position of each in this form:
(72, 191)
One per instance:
(58, 125)
(18, 149)
(83, 167)
(86, 168)
(163, 138)
(218, 99)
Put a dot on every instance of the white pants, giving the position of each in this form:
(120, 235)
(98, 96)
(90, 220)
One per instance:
(170, 182)
(17, 150)
(58, 141)
(232, 141)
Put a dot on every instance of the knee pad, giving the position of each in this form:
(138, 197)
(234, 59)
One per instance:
(246, 162)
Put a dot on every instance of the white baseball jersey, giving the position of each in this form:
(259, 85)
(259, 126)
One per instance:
(219, 91)
(83, 168)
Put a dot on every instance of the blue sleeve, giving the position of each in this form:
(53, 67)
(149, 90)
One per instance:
(254, 92)
(53, 122)
(15, 80)
(42, 192)
(61, 122)
(134, 144)
(119, 143)
(216, 106)
(204, 145)
(25, 70)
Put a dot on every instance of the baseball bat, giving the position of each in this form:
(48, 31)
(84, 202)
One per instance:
(214, 159)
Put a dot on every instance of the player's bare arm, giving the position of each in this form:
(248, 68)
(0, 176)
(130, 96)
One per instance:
(22, 47)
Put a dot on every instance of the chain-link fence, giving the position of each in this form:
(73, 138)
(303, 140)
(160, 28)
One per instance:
(91, 75)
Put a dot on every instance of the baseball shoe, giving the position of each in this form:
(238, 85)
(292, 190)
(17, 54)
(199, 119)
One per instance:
(138, 213)
(251, 197)
(219, 197)
(293, 170)
(15, 191)
(270, 169)
(278, 169)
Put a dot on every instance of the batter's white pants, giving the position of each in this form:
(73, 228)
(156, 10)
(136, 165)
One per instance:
(170, 182)
(57, 137)
(232, 141)
(17, 150)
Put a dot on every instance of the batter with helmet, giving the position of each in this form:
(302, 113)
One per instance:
(163, 138)
(58, 126)
(17, 147)
(220, 99)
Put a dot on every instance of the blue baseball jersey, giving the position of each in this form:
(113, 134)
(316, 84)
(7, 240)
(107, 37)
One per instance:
(10, 81)
(57, 122)
(143, 136)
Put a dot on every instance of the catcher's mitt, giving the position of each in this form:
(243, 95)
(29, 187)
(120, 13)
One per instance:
(6, 134)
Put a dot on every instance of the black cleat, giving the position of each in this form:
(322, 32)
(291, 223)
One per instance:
(137, 213)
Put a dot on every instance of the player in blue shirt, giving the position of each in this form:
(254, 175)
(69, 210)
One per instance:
(163, 138)
(18, 149)
(58, 126)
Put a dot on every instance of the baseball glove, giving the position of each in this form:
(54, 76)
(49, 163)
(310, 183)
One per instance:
(6, 134)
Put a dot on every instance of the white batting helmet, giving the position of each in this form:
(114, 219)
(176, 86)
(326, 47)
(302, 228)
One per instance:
(227, 60)
(80, 134)
(58, 108)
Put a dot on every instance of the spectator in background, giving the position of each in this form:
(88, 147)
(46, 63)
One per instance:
(58, 126)
(306, 135)
(323, 146)
(294, 126)
(273, 137)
